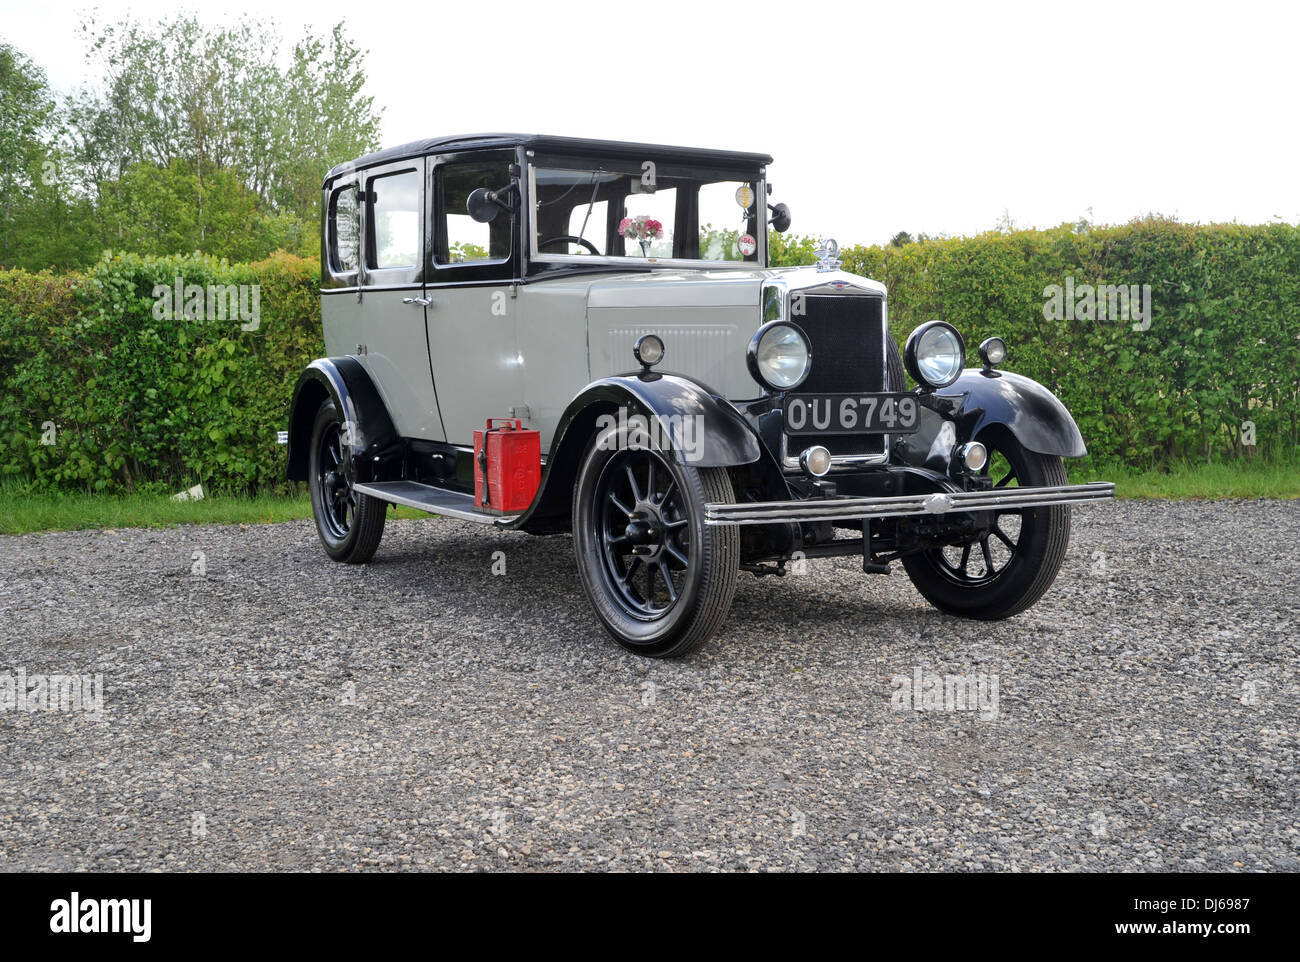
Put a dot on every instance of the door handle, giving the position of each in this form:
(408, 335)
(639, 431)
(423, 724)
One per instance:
(421, 301)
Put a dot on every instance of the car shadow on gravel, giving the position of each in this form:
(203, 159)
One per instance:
(467, 569)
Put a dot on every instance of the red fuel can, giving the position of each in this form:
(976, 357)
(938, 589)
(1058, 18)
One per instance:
(507, 466)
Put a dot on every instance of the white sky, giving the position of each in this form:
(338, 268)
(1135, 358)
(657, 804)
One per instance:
(881, 117)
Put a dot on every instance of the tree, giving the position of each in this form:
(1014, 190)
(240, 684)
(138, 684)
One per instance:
(41, 221)
(177, 208)
(322, 118)
(903, 238)
(198, 132)
(790, 250)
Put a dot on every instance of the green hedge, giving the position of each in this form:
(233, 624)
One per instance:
(1222, 346)
(144, 402)
(139, 401)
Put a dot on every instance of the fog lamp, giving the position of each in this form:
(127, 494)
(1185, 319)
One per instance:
(973, 456)
(815, 461)
(649, 350)
(993, 351)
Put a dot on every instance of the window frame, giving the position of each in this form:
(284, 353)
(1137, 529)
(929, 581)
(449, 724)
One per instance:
(546, 261)
(336, 275)
(497, 270)
(372, 277)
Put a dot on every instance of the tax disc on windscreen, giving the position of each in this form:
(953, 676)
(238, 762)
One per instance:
(745, 196)
(746, 244)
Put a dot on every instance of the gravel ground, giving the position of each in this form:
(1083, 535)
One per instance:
(268, 709)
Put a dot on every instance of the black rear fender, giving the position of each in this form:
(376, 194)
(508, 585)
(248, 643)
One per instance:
(344, 381)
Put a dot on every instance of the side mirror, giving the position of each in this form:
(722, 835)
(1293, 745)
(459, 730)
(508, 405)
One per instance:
(482, 205)
(780, 218)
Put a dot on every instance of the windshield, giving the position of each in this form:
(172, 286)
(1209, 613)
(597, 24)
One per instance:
(645, 211)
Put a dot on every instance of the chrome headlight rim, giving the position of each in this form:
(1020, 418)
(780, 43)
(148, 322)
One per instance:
(755, 344)
(913, 362)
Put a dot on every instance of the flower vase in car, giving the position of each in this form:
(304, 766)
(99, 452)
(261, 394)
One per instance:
(642, 229)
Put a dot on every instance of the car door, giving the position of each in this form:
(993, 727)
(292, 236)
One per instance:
(393, 339)
(473, 312)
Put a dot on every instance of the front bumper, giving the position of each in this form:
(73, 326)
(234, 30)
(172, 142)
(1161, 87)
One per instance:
(938, 502)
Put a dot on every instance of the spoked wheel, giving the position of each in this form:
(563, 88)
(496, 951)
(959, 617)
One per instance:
(1009, 567)
(979, 562)
(349, 524)
(644, 528)
(338, 499)
(661, 580)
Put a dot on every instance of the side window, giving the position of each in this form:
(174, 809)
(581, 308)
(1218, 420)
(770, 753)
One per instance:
(467, 240)
(659, 212)
(459, 239)
(587, 221)
(727, 221)
(344, 230)
(394, 211)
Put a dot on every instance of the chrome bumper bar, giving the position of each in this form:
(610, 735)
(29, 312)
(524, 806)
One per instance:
(939, 502)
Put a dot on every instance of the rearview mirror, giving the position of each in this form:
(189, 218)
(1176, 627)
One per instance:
(780, 218)
(482, 205)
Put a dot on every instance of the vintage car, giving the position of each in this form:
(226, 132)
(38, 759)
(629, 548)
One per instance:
(696, 411)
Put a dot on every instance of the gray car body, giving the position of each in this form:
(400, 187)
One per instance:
(554, 338)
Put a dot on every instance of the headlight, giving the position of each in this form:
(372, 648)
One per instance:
(778, 356)
(648, 350)
(935, 354)
(993, 351)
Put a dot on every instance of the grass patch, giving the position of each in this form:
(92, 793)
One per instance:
(22, 512)
(26, 512)
(1206, 482)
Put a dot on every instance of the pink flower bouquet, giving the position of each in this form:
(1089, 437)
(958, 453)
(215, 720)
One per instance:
(642, 229)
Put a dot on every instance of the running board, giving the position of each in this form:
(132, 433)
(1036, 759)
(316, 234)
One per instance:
(425, 497)
(938, 502)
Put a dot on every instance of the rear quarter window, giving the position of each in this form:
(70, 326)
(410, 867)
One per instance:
(344, 234)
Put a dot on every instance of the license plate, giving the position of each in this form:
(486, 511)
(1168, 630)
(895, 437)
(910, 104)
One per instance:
(851, 414)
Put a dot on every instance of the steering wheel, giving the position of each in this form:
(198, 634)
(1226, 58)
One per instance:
(570, 239)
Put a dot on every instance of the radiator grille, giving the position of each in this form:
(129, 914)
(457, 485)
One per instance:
(846, 334)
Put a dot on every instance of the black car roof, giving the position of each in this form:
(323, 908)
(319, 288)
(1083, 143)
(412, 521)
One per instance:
(576, 145)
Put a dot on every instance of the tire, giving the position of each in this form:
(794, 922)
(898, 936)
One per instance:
(629, 592)
(350, 525)
(1011, 580)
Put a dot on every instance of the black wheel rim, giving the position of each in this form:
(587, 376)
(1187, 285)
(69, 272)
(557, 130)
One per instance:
(643, 534)
(337, 499)
(983, 560)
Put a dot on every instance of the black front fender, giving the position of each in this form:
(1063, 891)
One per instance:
(724, 438)
(344, 381)
(1032, 413)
